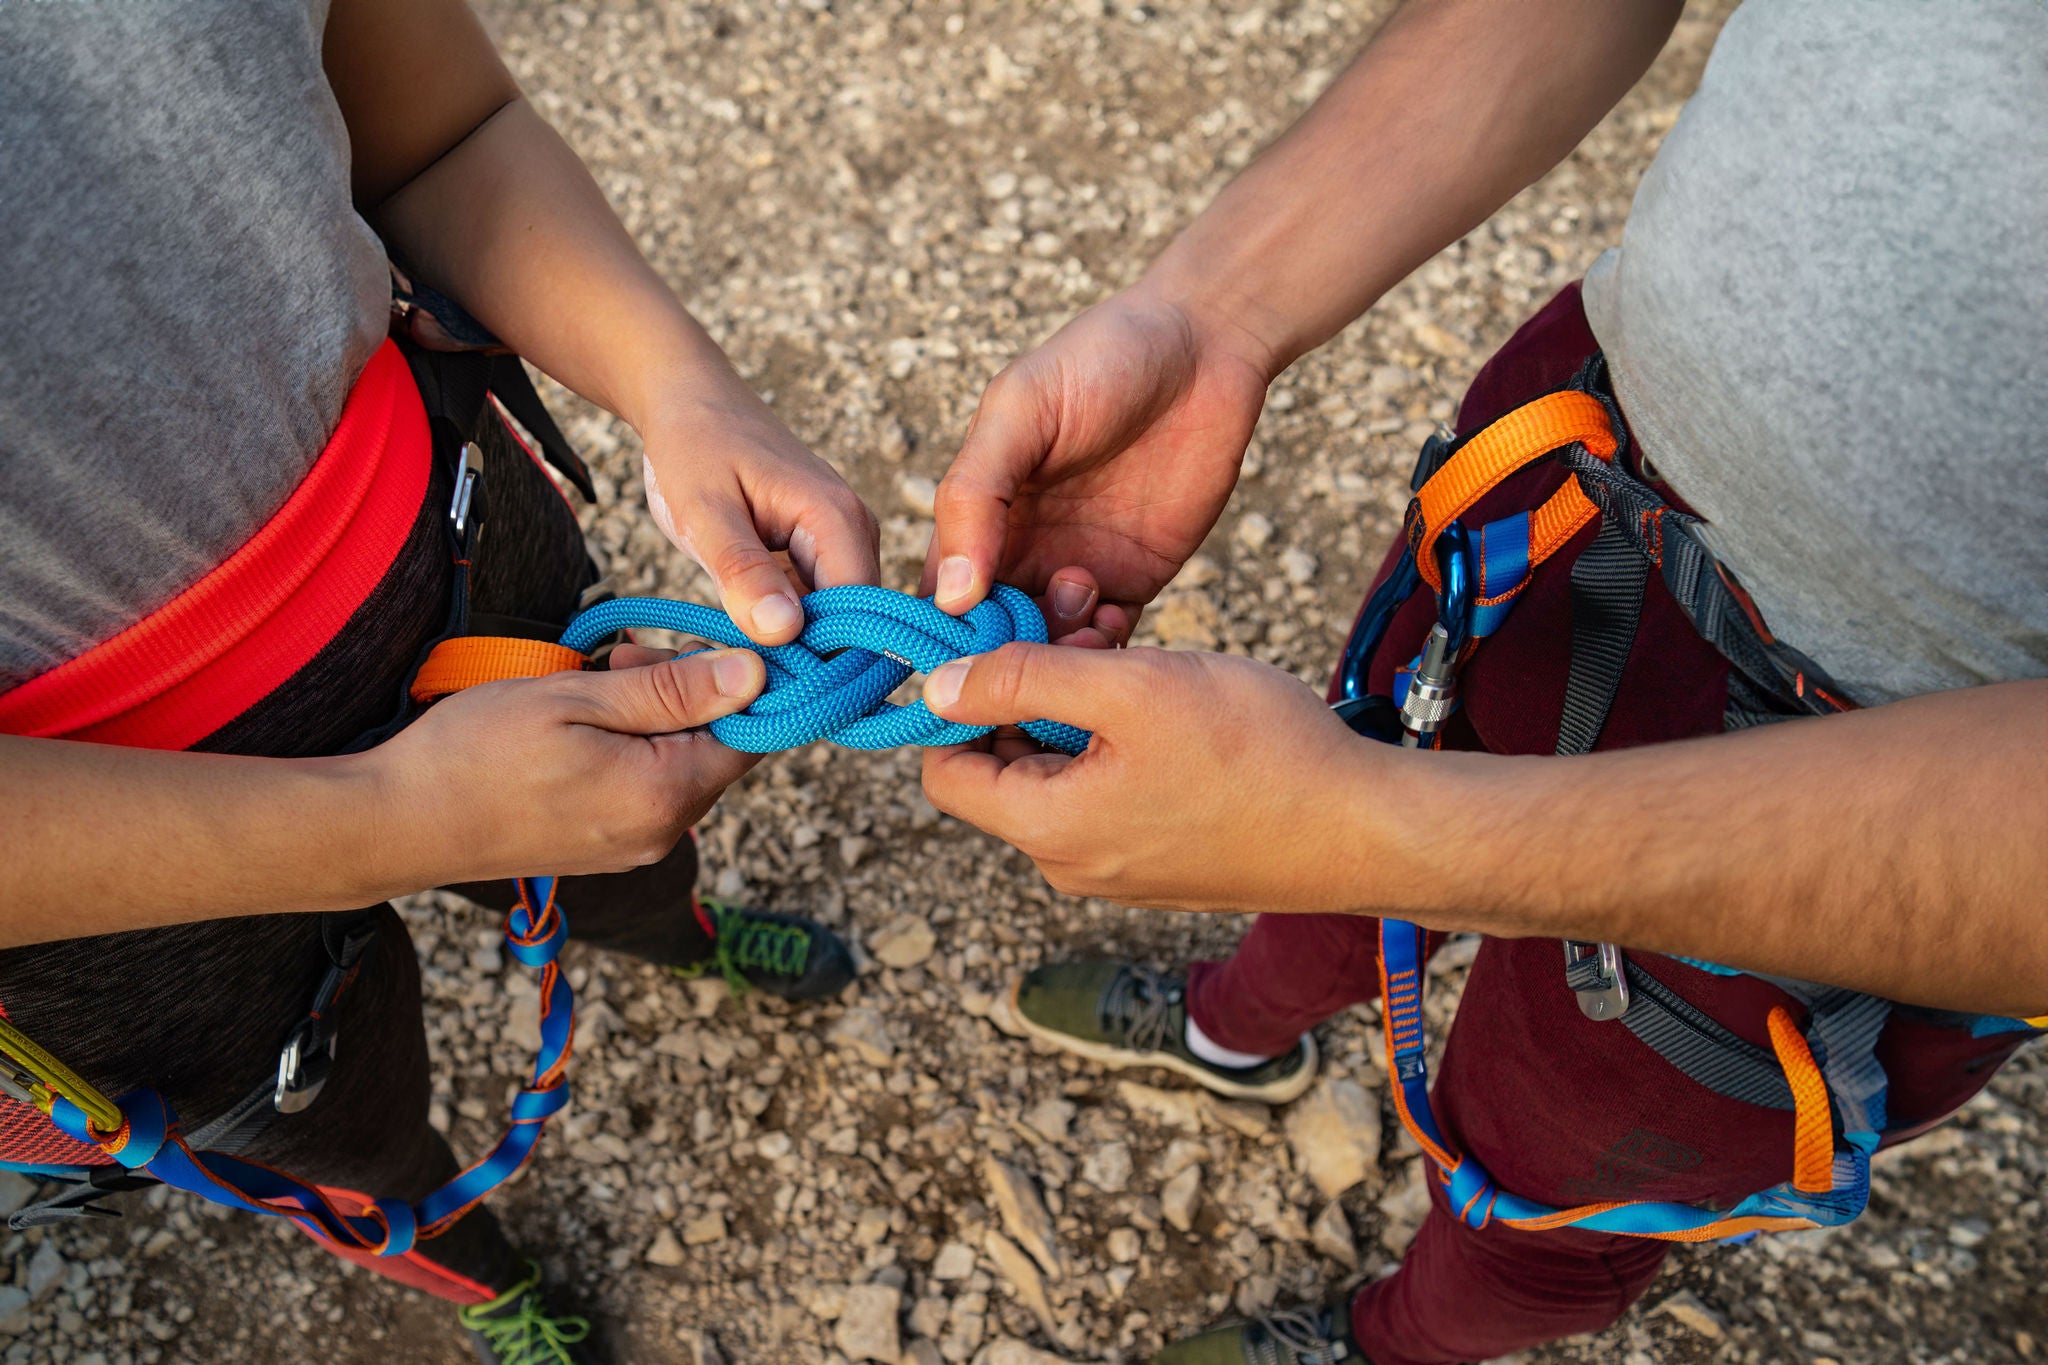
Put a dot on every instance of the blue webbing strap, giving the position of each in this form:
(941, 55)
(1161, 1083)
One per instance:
(151, 1142)
(1477, 1200)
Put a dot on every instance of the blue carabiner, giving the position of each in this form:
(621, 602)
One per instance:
(1454, 599)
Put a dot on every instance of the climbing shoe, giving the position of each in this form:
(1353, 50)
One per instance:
(1123, 1015)
(1303, 1336)
(785, 955)
(519, 1328)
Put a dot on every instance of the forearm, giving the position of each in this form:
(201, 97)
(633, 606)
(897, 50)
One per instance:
(1901, 850)
(102, 839)
(1454, 107)
(510, 223)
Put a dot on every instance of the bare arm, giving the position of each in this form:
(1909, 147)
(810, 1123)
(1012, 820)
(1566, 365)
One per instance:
(1901, 850)
(1109, 451)
(477, 193)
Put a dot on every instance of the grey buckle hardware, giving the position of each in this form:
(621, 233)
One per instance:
(1433, 690)
(303, 1067)
(467, 468)
(1594, 972)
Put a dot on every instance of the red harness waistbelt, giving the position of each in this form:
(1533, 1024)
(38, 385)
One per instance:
(229, 640)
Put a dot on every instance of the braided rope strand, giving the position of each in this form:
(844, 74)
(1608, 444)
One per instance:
(858, 645)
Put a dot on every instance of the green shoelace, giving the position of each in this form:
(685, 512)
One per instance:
(742, 944)
(527, 1334)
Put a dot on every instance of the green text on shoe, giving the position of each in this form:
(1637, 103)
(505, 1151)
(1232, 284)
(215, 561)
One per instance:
(785, 955)
(1122, 1015)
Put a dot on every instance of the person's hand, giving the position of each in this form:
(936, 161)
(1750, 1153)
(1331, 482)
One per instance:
(1112, 448)
(730, 485)
(570, 773)
(1211, 783)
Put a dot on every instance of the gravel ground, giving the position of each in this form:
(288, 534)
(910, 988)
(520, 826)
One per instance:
(815, 1185)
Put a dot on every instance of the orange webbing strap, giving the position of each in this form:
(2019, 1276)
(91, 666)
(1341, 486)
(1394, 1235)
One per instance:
(1813, 1129)
(1527, 434)
(471, 659)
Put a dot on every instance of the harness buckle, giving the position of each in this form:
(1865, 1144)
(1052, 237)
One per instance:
(468, 466)
(1595, 974)
(303, 1065)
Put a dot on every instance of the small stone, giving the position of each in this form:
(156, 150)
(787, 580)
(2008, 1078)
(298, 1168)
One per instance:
(699, 1347)
(1436, 340)
(45, 1271)
(919, 493)
(923, 1351)
(1254, 531)
(1108, 1167)
(1199, 572)
(1180, 1197)
(955, 1261)
(1187, 620)
(1239, 1116)
(1049, 1119)
(904, 942)
(1010, 1351)
(1969, 1233)
(707, 993)
(14, 1314)
(854, 847)
(871, 1228)
(1686, 1309)
(1403, 1208)
(892, 442)
(1022, 1275)
(702, 1231)
(1173, 1108)
(1299, 565)
(682, 1044)
(861, 1031)
(1124, 1245)
(666, 1251)
(1023, 1213)
(867, 1323)
(1335, 1132)
(1331, 1235)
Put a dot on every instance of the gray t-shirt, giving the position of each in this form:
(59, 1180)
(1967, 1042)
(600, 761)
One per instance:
(188, 291)
(1828, 323)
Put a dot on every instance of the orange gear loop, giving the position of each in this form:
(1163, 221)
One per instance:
(1813, 1125)
(1522, 437)
(470, 660)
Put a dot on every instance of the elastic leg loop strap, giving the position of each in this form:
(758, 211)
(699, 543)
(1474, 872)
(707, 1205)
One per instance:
(1527, 434)
(1813, 1129)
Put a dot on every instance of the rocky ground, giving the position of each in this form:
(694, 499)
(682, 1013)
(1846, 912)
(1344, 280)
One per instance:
(873, 206)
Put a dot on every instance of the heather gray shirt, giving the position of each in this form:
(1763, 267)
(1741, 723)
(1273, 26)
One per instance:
(186, 295)
(1828, 322)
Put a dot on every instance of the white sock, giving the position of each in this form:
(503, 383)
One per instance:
(1215, 1054)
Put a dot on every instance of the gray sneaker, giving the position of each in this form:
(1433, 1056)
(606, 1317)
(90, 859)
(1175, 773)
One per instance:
(1303, 1336)
(1121, 1015)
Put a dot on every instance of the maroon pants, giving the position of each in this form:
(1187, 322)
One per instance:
(1558, 1107)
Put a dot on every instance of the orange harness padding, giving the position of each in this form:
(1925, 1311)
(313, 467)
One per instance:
(233, 637)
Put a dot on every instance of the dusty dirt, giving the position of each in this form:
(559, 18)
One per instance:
(873, 206)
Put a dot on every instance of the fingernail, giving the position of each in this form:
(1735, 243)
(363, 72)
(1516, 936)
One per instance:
(777, 615)
(733, 671)
(1070, 599)
(956, 579)
(942, 688)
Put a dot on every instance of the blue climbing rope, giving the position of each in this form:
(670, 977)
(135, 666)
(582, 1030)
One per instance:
(859, 644)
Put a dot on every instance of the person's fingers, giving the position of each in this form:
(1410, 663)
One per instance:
(634, 655)
(1116, 621)
(661, 698)
(837, 541)
(697, 761)
(1088, 637)
(1005, 442)
(719, 531)
(1019, 682)
(1005, 798)
(1069, 600)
